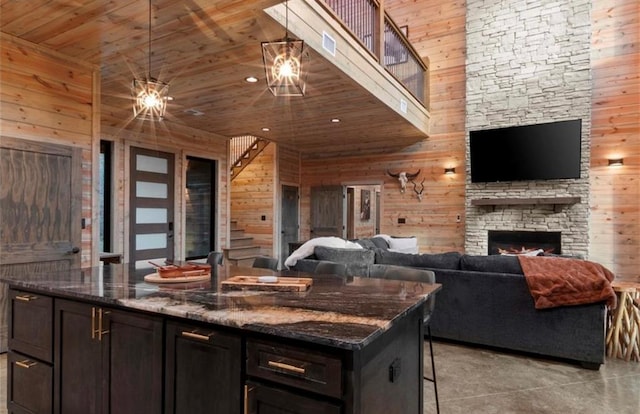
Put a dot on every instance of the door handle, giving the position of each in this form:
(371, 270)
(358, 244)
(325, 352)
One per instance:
(74, 250)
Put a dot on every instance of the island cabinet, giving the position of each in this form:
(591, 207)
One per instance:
(30, 359)
(290, 377)
(203, 370)
(107, 360)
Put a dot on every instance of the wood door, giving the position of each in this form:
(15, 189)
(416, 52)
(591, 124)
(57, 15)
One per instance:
(327, 211)
(289, 219)
(203, 371)
(152, 205)
(40, 211)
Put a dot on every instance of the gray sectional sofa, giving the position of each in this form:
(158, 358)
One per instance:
(485, 301)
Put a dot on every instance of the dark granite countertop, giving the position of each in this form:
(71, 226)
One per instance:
(342, 313)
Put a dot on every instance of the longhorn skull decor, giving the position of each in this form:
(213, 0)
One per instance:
(404, 177)
(415, 189)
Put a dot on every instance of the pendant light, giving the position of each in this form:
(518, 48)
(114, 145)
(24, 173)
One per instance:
(150, 95)
(285, 63)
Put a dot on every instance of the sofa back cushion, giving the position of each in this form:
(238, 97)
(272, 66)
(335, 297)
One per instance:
(495, 263)
(449, 260)
(357, 260)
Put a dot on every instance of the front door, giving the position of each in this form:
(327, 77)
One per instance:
(151, 201)
(40, 211)
(289, 220)
(327, 211)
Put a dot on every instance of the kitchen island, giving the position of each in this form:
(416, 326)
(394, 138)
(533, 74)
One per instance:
(104, 340)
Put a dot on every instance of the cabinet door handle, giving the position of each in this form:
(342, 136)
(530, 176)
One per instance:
(101, 331)
(26, 298)
(93, 322)
(247, 399)
(286, 367)
(194, 335)
(26, 363)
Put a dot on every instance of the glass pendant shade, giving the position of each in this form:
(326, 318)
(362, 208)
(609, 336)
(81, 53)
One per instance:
(285, 65)
(150, 98)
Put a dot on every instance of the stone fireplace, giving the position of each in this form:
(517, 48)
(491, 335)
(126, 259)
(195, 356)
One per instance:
(528, 63)
(519, 242)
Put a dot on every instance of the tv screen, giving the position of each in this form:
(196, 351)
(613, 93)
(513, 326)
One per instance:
(532, 152)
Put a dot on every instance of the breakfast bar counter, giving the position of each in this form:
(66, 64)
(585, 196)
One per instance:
(104, 340)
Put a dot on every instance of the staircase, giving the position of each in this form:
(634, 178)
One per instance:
(243, 150)
(242, 251)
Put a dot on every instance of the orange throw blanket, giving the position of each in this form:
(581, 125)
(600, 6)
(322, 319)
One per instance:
(557, 281)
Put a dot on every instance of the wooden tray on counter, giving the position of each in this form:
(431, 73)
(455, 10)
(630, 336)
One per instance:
(283, 284)
(156, 278)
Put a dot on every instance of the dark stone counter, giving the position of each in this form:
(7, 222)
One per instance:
(341, 313)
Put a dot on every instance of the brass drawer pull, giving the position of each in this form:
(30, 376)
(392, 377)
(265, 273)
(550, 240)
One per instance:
(26, 363)
(26, 298)
(194, 335)
(286, 367)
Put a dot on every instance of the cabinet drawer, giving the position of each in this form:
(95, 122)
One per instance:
(30, 384)
(295, 366)
(31, 324)
(261, 399)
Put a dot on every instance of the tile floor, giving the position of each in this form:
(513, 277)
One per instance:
(480, 381)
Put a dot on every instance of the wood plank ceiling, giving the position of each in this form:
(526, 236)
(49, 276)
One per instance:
(204, 49)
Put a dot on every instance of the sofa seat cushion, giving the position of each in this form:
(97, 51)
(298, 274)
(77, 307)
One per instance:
(493, 263)
(357, 260)
(449, 260)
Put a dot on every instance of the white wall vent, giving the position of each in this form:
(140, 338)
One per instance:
(328, 43)
(403, 106)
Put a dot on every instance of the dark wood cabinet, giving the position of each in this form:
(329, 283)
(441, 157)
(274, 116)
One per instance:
(107, 360)
(30, 370)
(263, 399)
(203, 370)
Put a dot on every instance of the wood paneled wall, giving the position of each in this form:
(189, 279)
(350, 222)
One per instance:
(436, 30)
(253, 194)
(47, 97)
(615, 127)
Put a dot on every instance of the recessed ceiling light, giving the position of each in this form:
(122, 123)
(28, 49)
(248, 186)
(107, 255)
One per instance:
(251, 79)
(335, 120)
(265, 129)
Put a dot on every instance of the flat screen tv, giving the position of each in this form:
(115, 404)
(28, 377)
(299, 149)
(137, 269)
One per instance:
(546, 151)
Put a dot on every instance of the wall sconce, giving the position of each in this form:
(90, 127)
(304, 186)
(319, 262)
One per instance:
(616, 162)
(450, 170)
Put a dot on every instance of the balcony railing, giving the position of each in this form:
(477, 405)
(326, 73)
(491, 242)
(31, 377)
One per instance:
(363, 19)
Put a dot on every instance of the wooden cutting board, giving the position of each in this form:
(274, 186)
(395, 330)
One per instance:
(283, 284)
(156, 278)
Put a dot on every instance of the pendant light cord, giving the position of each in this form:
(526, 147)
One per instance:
(149, 53)
(286, 19)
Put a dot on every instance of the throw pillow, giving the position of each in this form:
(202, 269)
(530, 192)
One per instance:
(493, 263)
(380, 243)
(404, 244)
(357, 260)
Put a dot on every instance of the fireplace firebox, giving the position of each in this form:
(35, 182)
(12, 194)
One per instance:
(519, 242)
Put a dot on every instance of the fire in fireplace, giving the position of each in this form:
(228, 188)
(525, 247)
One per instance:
(520, 242)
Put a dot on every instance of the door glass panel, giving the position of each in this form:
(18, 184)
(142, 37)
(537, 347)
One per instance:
(151, 164)
(199, 204)
(151, 241)
(151, 215)
(151, 190)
